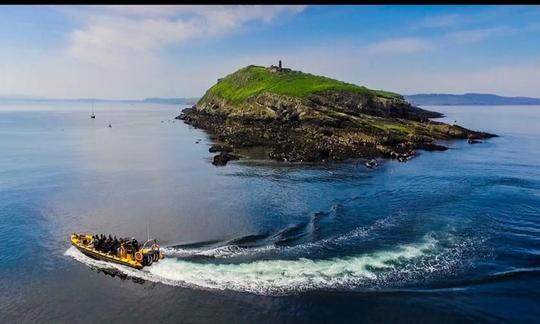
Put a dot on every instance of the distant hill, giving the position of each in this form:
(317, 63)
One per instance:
(163, 101)
(172, 101)
(468, 99)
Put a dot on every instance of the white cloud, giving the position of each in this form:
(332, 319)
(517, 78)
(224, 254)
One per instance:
(512, 80)
(474, 35)
(405, 45)
(441, 21)
(109, 35)
(413, 45)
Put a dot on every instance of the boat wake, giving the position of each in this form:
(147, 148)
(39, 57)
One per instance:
(384, 269)
(277, 243)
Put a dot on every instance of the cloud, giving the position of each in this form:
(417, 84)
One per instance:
(109, 35)
(511, 80)
(413, 45)
(405, 45)
(441, 21)
(472, 19)
(474, 35)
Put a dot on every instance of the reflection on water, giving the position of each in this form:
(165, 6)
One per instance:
(333, 241)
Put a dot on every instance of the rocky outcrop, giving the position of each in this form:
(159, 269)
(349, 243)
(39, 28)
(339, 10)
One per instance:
(328, 125)
(222, 158)
(297, 140)
(219, 148)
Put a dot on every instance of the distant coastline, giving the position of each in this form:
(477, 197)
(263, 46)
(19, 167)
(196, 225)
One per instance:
(468, 99)
(155, 100)
(422, 99)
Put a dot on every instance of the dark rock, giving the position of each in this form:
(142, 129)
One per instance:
(473, 141)
(222, 158)
(219, 148)
(432, 147)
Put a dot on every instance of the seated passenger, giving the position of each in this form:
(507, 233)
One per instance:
(118, 247)
(108, 243)
(128, 246)
(102, 243)
(97, 245)
(135, 245)
(114, 248)
(93, 241)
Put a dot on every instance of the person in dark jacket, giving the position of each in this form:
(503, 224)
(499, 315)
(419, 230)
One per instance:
(103, 241)
(115, 246)
(99, 244)
(135, 245)
(107, 245)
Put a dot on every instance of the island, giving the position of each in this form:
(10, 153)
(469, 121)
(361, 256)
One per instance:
(301, 117)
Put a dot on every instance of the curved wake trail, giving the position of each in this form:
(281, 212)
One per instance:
(286, 276)
(387, 268)
(235, 250)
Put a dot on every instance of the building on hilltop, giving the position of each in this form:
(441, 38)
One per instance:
(278, 68)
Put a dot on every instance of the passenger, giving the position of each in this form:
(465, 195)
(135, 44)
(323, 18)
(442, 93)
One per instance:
(93, 242)
(128, 246)
(108, 244)
(135, 244)
(120, 246)
(115, 246)
(102, 243)
(97, 246)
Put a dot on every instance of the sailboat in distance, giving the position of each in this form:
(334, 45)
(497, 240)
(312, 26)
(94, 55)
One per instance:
(93, 116)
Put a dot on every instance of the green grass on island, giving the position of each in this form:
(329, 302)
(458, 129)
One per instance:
(253, 80)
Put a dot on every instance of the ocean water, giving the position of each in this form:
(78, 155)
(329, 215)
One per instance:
(446, 237)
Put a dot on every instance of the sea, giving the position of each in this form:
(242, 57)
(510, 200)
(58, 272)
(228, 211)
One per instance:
(447, 237)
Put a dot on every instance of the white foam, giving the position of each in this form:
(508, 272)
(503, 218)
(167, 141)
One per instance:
(275, 276)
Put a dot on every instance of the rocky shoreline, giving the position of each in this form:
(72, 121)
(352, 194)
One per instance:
(294, 141)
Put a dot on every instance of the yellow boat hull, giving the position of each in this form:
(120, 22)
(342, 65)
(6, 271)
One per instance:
(78, 242)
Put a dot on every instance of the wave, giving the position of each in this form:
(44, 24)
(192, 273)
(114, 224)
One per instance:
(279, 241)
(386, 268)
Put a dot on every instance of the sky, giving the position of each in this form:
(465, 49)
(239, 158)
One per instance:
(134, 52)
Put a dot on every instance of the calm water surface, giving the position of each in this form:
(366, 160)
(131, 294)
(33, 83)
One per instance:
(446, 237)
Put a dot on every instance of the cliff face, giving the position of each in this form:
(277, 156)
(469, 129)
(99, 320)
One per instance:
(302, 117)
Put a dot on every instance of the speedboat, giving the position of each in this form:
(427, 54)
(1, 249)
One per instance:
(149, 252)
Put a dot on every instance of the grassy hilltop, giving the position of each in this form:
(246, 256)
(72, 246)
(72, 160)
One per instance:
(252, 80)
